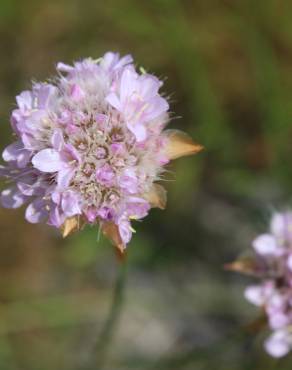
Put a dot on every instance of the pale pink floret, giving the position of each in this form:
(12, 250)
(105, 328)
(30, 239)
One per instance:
(89, 145)
(274, 292)
(279, 343)
(138, 100)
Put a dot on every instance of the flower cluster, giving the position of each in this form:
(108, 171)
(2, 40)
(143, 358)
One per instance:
(90, 147)
(273, 266)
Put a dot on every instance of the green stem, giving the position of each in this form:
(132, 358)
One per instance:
(102, 346)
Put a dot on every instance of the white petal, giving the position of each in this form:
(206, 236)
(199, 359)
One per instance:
(114, 101)
(47, 160)
(254, 294)
(265, 244)
(277, 344)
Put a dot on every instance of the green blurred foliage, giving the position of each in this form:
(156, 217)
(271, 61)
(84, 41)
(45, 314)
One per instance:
(228, 71)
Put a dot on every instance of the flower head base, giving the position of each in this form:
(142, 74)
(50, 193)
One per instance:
(90, 147)
(272, 265)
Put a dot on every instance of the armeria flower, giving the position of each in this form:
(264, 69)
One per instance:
(272, 265)
(91, 147)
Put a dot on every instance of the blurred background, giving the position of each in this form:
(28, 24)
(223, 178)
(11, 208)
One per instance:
(69, 304)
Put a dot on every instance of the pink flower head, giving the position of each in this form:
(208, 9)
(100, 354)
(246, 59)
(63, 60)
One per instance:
(90, 147)
(272, 266)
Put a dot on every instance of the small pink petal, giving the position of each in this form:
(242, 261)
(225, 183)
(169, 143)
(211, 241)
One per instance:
(114, 101)
(47, 160)
(91, 214)
(265, 244)
(77, 93)
(58, 140)
(36, 212)
(62, 67)
(277, 345)
(24, 100)
(12, 198)
(70, 204)
(255, 295)
(64, 177)
(128, 84)
(138, 130)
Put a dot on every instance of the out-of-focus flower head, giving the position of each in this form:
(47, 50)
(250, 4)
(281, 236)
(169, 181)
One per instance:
(272, 265)
(90, 148)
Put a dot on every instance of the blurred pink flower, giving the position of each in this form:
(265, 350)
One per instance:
(272, 266)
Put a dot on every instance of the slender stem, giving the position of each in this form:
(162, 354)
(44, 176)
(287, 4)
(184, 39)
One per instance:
(101, 347)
